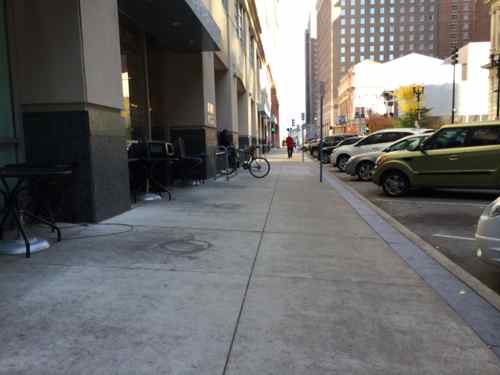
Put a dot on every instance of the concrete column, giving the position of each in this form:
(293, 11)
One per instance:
(184, 100)
(254, 123)
(244, 114)
(69, 82)
(224, 100)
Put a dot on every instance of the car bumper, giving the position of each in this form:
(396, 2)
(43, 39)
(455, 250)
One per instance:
(376, 177)
(488, 239)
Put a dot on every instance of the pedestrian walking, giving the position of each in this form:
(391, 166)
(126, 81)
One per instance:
(290, 145)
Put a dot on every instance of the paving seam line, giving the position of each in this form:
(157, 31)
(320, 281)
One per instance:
(445, 278)
(250, 278)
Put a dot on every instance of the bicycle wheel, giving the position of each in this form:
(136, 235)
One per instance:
(259, 167)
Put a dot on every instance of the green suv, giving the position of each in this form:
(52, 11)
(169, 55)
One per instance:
(456, 156)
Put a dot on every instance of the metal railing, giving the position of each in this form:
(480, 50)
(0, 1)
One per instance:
(223, 167)
(222, 163)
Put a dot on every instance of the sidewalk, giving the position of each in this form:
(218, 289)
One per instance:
(278, 276)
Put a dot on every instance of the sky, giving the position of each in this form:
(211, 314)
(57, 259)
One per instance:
(293, 17)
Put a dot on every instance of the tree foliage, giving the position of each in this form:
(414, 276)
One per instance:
(409, 106)
(407, 100)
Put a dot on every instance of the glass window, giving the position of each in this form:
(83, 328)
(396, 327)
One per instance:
(447, 138)
(372, 140)
(6, 115)
(134, 81)
(485, 136)
(393, 136)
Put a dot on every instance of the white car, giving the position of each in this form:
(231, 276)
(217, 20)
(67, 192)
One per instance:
(488, 233)
(377, 141)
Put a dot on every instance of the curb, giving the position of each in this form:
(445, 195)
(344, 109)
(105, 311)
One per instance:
(481, 289)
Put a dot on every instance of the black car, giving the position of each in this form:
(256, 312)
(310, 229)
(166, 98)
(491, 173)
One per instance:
(330, 143)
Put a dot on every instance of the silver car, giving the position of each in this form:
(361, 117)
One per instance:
(362, 165)
(488, 233)
(374, 142)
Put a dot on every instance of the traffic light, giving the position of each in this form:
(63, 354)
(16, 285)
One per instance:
(454, 57)
(293, 123)
(273, 129)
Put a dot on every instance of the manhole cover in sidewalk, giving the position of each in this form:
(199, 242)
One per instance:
(185, 246)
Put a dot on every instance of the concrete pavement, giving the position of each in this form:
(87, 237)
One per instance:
(275, 276)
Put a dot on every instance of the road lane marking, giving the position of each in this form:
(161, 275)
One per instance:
(453, 237)
(442, 203)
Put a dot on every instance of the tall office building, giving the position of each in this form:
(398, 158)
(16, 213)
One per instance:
(461, 22)
(312, 84)
(350, 31)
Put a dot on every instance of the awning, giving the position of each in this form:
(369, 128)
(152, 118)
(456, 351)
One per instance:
(179, 25)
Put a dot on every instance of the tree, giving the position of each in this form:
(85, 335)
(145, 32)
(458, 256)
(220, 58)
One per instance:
(407, 100)
(409, 119)
(409, 106)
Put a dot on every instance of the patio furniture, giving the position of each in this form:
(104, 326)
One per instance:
(188, 167)
(33, 174)
(148, 161)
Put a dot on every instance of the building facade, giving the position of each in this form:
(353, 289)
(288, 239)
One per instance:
(495, 52)
(362, 88)
(81, 78)
(312, 82)
(461, 22)
(268, 11)
(353, 31)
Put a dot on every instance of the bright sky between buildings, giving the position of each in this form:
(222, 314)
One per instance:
(290, 72)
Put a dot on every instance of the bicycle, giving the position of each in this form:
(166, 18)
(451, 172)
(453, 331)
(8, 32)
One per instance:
(258, 166)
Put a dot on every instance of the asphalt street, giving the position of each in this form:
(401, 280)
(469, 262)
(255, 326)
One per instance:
(446, 219)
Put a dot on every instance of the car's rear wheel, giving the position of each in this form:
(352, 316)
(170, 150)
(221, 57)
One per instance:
(315, 153)
(342, 162)
(395, 183)
(364, 170)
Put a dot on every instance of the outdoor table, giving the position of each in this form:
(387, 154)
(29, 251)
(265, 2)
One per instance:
(150, 164)
(21, 173)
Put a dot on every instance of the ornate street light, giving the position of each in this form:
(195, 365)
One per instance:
(495, 63)
(418, 91)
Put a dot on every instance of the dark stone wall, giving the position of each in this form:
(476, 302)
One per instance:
(243, 141)
(100, 186)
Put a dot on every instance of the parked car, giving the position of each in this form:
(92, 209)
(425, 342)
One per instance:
(307, 144)
(456, 156)
(362, 165)
(328, 150)
(488, 233)
(327, 142)
(373, 142)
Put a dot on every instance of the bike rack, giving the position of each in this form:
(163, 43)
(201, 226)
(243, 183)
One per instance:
(222, 151)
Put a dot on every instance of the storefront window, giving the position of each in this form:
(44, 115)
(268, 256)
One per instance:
(7, 149)
(135, 95)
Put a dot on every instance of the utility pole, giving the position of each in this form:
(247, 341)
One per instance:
(495, 63)
(418, 91)
(303, 116)
(454, 61)
(321, 140)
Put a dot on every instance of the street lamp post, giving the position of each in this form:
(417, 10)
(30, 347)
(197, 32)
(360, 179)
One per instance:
(321, 141)
(454, 62)
(303, 117)
(495, 63)
(418, 91)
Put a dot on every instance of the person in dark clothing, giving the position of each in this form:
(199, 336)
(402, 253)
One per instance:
(290, 145)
